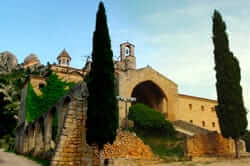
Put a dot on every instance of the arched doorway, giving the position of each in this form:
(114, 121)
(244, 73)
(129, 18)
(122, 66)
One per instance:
(151, 95)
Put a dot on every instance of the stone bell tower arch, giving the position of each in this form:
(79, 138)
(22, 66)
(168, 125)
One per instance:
(127, 54)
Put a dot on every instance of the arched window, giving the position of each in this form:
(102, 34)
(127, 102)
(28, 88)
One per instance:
(127, 51)
(213, 124)
(203, 123)
(191, 121)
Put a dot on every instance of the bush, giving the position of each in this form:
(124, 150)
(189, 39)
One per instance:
(149, 119)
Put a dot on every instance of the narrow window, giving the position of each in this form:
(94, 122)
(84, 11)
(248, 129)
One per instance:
(212, 109)
(203, 123)
(190, 106)
(127, 51)
(59, 61)
(191, 121)
(202, 108)
(213, 124)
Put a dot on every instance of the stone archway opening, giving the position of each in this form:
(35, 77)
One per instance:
(151, 95)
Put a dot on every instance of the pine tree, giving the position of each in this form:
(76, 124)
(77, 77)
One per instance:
(230, 109)
(102, 115)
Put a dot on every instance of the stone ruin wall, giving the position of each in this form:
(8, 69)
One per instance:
(211, 144)
(69, 147)
(72, 148)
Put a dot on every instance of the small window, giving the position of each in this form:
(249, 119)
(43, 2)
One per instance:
(41, 85)
(59, 61)
(190, 106)
(191, 121)
(212, 109)
(213, 124)
(203, 123)
(67, 62)
(127, 51)
(202, 108)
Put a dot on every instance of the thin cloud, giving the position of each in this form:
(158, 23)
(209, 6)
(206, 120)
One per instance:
(183, 48)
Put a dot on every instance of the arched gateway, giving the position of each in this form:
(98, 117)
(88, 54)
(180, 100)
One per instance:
(149, 87)
(151, 94)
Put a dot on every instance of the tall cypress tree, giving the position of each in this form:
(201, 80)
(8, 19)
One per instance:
(102, 115)
(230, 109)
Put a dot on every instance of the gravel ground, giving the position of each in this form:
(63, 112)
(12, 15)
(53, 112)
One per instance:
(10, 159)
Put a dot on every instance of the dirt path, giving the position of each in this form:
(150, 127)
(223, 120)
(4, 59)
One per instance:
(10, 159)
(240, 162)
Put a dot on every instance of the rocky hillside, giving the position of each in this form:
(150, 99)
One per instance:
(8, 62)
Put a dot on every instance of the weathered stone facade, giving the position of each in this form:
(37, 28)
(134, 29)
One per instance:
(154, 89)
(211, 144)
(37, 138)
(147, 85)
(72, 147)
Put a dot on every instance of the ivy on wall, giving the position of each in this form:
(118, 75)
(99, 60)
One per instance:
(54, 89)
(32, 104)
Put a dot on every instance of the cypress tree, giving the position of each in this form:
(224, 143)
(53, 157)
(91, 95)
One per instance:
(230, 109)
(102, 114)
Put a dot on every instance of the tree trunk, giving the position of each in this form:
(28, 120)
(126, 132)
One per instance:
(236, 142)
(101, 157)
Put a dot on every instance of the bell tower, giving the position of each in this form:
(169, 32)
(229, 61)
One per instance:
(127, 54)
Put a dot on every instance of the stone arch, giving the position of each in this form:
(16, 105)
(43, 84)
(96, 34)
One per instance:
(54, 123)
(62, 112)
(150, 94)
(129, 80)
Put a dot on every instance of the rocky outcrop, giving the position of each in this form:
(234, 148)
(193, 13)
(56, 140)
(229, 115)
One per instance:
(8, 62)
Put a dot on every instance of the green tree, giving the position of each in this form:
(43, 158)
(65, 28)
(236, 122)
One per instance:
(246, 138)
(10, 90)
(230, 109)
(102, 121)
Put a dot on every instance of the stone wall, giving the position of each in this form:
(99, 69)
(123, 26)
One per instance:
(69, 146)
(72, 146)
(35, 138)
(198, 111)
(211, 144)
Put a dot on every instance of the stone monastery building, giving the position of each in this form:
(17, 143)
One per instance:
(146, 84)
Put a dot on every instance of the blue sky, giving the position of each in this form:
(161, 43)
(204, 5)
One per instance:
(174, 37)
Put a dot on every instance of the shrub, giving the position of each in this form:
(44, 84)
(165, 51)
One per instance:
(149, 119)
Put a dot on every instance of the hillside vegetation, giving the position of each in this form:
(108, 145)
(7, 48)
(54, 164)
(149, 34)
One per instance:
(157, 132)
